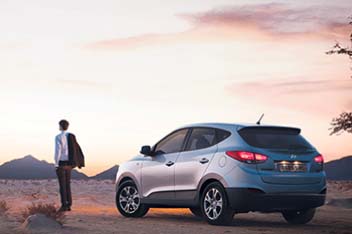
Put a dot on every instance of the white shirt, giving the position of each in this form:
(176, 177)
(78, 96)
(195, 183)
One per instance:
(61, 148)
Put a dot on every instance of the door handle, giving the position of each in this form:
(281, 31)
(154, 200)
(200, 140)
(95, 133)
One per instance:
(204, 160)
(169, 163)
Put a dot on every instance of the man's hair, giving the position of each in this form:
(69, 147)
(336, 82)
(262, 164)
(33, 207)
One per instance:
(64, 124)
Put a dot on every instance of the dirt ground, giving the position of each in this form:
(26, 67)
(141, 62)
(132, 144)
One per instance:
(94, 212)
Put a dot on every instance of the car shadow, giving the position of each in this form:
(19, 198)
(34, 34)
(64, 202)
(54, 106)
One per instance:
(246, 222)
(237, 221)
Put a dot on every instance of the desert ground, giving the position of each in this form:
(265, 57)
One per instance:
(94, 212)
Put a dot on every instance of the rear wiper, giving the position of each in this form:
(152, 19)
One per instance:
(305, 149)
(279, 149)
(298, 146)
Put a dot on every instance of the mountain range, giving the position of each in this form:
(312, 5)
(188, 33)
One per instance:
(109, 174)
(29, 167)
(340, 169)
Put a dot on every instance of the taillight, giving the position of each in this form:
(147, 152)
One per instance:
(247, 157)
(319, 159)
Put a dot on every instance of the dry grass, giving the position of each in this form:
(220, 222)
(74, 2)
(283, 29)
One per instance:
(3, 207)
(47, 209)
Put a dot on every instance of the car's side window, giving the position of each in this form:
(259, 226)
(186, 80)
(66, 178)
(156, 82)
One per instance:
(172, 143)
(221, 135)
(201, 138)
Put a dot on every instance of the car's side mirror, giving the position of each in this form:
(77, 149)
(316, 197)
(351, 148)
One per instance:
(146, 150)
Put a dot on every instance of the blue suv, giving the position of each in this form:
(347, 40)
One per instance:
(219, 169)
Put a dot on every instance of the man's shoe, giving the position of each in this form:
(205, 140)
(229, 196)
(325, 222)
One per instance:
(63, 209)
(68, 208)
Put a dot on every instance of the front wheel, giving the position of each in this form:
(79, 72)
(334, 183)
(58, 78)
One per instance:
(215, 206)
(299, 217)
(128, 201)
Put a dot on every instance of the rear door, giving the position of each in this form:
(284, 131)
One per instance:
(290, 156)
(192, 163)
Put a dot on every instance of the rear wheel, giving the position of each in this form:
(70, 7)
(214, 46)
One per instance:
(196, 211)
(215, 206)
(299, 217)
(128, 201)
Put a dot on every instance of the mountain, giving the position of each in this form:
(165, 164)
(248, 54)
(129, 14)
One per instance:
(109, 174)
(29, 167)
(340, 169)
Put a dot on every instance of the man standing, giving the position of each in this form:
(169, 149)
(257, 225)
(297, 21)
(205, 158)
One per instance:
(68, 155)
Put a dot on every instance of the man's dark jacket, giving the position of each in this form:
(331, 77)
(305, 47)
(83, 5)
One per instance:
(75, 154)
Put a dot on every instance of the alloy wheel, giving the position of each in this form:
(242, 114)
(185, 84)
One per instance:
(129, 199)
(213, 203)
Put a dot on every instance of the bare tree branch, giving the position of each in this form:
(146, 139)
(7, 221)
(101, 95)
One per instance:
(338, 49)
(343, 123)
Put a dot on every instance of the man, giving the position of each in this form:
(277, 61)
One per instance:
(68, 155)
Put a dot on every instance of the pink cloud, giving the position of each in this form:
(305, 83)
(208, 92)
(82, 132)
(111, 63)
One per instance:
(250, 22)
(315, 96)
(276, 18)
(198, 35)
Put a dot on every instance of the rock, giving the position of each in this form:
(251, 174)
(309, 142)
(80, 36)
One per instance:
(40, 223)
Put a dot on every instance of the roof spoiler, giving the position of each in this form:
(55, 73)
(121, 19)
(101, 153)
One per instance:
(271, 128)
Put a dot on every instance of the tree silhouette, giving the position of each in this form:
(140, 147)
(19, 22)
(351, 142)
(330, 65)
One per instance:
(338, 49)
(344, 121)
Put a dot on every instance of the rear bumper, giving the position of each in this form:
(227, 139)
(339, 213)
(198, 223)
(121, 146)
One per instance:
(245, 200)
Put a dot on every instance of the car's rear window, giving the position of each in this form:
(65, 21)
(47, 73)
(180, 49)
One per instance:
(274, 138)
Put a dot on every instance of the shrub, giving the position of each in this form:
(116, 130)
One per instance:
(47, 209)
(3, 207)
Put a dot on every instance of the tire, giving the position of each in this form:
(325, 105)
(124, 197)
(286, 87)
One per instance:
(215, 206)
(299, 217)
(196, 211)
(128, 201)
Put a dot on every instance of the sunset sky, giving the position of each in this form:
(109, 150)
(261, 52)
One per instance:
(125, 73)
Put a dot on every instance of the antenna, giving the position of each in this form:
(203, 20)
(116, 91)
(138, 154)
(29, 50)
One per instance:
(260, 119)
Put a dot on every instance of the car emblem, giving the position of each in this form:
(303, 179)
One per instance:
(293, 156)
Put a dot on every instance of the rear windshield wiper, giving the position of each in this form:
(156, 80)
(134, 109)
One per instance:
(289, 149)
(299, 146)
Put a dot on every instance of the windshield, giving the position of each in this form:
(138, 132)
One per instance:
(274, 138)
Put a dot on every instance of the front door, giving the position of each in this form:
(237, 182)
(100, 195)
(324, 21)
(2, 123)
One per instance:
(158, 171)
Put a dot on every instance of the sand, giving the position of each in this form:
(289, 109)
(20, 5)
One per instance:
(94, 212)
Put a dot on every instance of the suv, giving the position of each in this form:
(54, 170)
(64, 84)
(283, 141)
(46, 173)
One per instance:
(217, 170)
